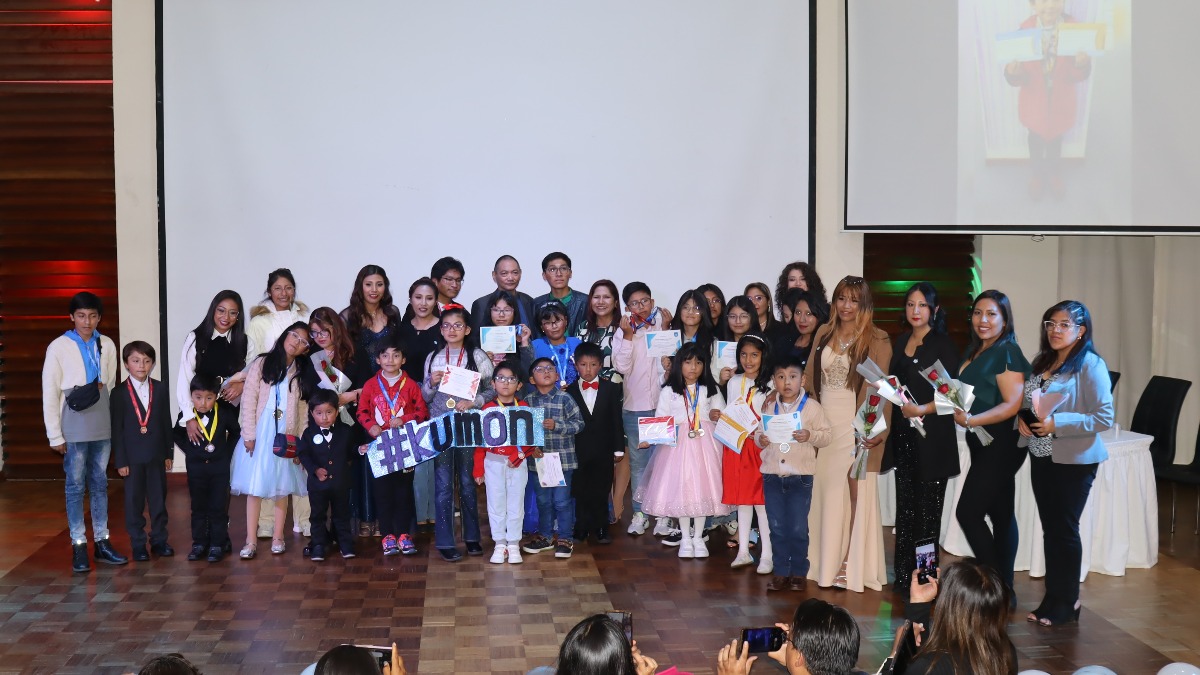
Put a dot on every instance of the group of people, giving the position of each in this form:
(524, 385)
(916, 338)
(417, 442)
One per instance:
(285, 406)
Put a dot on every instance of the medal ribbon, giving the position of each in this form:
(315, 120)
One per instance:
(142, 422)
(694, 402)
(392, 409)
(749, 399)
(461, 353)
(642, 324)
(209, 433)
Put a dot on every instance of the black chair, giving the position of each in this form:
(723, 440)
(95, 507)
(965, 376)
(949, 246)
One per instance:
(1157, 415)
(1113, 376)
(1187, 474)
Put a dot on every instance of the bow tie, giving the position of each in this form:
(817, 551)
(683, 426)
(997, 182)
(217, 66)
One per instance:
(327, 433)
(590, 385)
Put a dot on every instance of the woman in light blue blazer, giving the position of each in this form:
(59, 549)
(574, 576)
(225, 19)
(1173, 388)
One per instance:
(1065, 448)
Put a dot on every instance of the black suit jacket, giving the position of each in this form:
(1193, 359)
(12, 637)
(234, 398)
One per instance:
(333, 456)
(224, 440)
(603, 432)
(129, 444)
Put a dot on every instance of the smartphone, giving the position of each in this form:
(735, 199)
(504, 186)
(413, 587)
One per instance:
(625, 619)
(763, 640)
(1028, 417)
(927, 560)
(382, 655)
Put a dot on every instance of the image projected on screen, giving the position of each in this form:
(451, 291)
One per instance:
(1044, 124)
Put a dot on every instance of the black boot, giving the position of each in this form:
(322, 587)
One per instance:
(602, 536)
(79, 558)
(106, 554)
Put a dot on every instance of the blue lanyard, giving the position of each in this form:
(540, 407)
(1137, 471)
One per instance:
(392, 409)
(803, 400)
(562, 367)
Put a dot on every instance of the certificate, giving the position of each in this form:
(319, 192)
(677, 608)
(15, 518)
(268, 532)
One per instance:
(459, 383)
(726, 355)
(498, 339)
(737, 422)
(550, 471)
(663, 342)
(779, 428)
(1020, 45)
(1080, 38)
(656, 430)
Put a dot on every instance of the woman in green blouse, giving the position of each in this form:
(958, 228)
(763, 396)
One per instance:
(996, 368)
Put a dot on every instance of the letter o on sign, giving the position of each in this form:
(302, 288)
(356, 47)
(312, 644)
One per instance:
(495, 428)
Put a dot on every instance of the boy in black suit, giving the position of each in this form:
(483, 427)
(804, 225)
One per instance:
(142, 449)
(600, 445)
(324, 450)
(208, 466)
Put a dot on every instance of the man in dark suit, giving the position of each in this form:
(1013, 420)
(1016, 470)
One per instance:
(598, 446)
(507, 275)
(208, 466)
(143, 449)
(324, 450)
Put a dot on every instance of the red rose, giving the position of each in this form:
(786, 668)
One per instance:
(944, 389)
(933, 375)
(893, 381)
(873, 400)
(870, 418)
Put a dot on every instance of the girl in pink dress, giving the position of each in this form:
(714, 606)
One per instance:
(684, 480)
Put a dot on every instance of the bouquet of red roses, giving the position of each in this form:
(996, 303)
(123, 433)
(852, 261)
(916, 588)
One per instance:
(890, 388)
(868, 423)
(950, 395)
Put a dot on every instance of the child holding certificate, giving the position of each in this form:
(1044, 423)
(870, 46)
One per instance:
(389, 400)
(554, 343)
(460, 359)
(504, 472)
(684, 480)
(742, 471)
(501, 312)
(788, 465)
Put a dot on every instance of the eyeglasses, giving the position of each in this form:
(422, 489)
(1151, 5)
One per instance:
(1052, 327)
(320, 334)
(552, 322)
(502, 310)
(544, 369)
(558, 269)
(692, 309)
(756, 298)
(453, 326)
(296, 336)
(505, 379)
(453, 281)
(714, 302)
(644, 302)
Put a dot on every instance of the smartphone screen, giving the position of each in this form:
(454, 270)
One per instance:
(763, 640)
(1028, 416)
(927, 560)
(625, 619)
(383, 655)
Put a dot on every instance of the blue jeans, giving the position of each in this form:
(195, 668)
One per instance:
(556, 503)
(85, 464)
(788, 499)
(451, 464)
(423, 492)
(638, 458)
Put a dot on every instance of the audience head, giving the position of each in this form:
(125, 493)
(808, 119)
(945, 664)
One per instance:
(169, 664)
(921, 307)
(1066, 330)
(348, 660)
(991, 322)
(596, 646)
(970, 619)
(824, 639)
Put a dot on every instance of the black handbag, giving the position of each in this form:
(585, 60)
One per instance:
(82, 398)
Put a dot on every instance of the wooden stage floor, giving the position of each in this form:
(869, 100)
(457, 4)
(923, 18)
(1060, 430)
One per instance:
(278, 613)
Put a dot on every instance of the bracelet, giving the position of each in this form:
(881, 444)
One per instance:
(968, 424)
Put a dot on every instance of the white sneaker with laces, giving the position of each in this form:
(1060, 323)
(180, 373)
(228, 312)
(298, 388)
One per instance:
(637, 524)
(498, 555)
(514, 555)
(662, 527)
(699, 548)
(673, 538)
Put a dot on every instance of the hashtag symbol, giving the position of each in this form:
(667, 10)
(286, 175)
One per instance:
(391, 459)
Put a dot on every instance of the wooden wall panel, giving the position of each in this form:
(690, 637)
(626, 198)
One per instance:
(57, 208)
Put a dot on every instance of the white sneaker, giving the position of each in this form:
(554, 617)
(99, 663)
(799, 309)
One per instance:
(297, 529)
(687, 548)
(766, 565)
(662, 527)
(306, 530)
(637, 524)
(699, 548)
(498, 555)
(743, 559)
(514, 555)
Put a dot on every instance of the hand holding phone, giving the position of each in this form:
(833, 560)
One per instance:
(1030, 418)
(625, 620)
(927, 560)
(763, 640)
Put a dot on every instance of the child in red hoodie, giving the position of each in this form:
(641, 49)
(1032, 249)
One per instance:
(502, 470)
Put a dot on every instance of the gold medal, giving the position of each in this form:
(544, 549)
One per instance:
(449, 403)
(692, 433)
(278, 414)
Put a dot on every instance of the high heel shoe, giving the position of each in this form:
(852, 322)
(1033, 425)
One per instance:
(840, 580)
(1070, 616)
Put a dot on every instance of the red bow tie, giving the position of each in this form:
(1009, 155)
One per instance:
(590, 385)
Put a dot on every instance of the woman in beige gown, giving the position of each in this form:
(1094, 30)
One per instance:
(845, 530)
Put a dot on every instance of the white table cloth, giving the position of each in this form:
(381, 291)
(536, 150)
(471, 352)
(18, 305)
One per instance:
(1119, 526)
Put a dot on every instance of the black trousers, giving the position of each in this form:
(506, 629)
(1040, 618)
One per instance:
(1061, 492)
(918, 506)
(990, 489)
(208, 486)
(333, 503)
(394, 503)
(591, 486)
(146, 490)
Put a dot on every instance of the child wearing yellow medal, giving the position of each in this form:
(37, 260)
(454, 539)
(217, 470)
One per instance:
(684, 480)
(208, 466)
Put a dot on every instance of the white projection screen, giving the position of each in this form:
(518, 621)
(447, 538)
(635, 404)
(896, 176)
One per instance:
(666, 142)
(1022, 116)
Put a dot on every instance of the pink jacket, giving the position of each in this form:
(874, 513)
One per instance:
(256, 396)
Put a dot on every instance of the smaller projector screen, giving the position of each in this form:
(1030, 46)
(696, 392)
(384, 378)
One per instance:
(1022, 115)
(662, 141)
